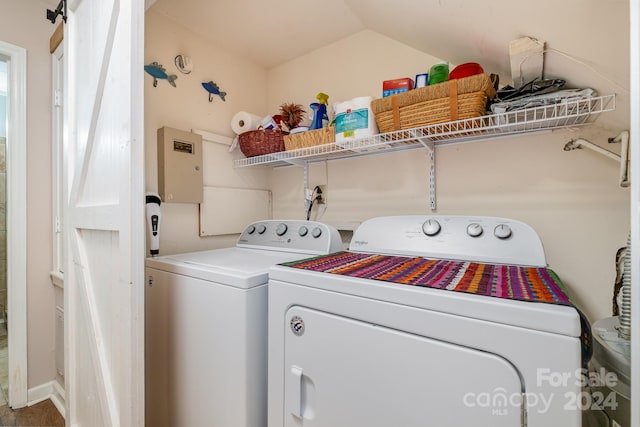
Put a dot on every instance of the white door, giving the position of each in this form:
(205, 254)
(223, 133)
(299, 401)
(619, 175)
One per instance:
(104, 289)
(341, 372)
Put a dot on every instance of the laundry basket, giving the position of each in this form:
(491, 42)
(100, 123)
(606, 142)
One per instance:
(443, 102)
(259, 142)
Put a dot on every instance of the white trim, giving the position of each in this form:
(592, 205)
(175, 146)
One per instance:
(57, 128)
(17, 221)
(635, 207)
(40, 393)
(51, 390)
(57, 397)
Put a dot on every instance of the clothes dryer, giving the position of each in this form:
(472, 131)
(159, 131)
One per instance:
(440, 320)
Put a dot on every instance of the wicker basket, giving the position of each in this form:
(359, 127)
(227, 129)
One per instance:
(259, 142)
(310, 138)
(434, 104)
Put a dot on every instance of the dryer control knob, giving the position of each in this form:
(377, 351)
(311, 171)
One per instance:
(474, 229)
(431, 227)
(502, 231)
(261, 229)
(281, 229)
(251, 229)
(316, 232)
(303, 231)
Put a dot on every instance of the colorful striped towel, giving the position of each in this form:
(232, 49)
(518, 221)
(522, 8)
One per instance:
(502, 281)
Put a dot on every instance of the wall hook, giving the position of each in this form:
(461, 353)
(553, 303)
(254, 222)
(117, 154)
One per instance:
(213, 89)
(157, 71)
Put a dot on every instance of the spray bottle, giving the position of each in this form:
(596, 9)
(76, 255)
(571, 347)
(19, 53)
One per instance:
(320, 118)
(323, 99)
(153, 221)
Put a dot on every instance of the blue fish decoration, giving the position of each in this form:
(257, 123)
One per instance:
(157, 71)
(213, 89)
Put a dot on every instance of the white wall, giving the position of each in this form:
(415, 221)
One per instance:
(187, 107)
(571, 198)
(24, 25)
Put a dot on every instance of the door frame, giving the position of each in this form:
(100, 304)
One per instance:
(16, 161)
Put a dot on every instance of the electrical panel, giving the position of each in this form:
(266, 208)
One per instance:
(179, 166)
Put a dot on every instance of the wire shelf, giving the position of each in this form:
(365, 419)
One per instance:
(569, 113)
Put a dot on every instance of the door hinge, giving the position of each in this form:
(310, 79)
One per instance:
(58, 225)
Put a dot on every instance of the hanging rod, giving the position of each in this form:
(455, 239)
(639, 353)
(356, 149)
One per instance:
(52, 15)
(623, 157)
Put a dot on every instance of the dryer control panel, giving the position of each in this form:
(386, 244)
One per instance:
(291, 236)
(466, 238)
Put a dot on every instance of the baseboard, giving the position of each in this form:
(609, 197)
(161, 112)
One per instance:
(58, 398)
(39, 393)
(51, 390)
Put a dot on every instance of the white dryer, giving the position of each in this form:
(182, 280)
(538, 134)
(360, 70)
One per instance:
(425, 321)
(206, 325)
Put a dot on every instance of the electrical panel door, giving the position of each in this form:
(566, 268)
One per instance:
(179, 166)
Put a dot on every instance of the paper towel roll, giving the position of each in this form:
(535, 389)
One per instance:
(244, 122)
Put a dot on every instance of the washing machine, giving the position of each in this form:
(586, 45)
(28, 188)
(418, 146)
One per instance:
(206, 325)
(440, 320)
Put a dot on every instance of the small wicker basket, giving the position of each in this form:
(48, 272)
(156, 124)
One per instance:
(310, 138)
(448, 101)
(258, 142)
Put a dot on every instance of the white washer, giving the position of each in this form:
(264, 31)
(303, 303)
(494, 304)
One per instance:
(206, 325)
(348, 351)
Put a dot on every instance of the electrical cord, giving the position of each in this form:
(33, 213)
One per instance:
(316, 194)
(574, 59)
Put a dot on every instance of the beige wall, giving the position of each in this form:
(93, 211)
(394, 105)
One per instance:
(25, 26)
(571, 198)
(187, 107)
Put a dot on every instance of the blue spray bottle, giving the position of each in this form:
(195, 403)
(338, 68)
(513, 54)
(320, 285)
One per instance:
(320, 117)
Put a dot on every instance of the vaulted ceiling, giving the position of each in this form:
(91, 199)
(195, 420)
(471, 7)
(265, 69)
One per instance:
(587, 41)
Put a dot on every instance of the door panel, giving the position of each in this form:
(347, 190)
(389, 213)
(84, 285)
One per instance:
(103, 163)
(343, 372)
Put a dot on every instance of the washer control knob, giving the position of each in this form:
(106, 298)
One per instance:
(316, 232)
(474, 229)
(281, 229)
(251, 229)
(261, 229)
(431, 227)
(303, 231)
(502, 231)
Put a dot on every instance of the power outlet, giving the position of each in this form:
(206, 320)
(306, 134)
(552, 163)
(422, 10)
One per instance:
(323, 194)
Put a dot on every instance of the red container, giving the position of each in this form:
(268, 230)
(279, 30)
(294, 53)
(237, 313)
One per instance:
(391, 87)
(466, 70)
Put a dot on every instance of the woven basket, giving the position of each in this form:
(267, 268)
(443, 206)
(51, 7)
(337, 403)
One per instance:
(310, 138)
(259, 142)
(433, 104)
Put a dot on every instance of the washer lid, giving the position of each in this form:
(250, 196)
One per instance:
(238, 267)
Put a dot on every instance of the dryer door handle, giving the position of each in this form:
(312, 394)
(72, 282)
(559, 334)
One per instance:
(293, 392)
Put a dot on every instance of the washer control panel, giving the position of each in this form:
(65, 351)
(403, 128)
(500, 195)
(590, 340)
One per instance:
(291, 236)
(478, 238)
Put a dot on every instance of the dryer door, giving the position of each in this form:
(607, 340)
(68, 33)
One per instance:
(341, 372)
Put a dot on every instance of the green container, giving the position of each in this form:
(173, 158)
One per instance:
(438, 73)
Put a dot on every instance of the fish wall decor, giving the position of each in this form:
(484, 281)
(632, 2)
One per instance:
(213, 89)
(157, 71)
